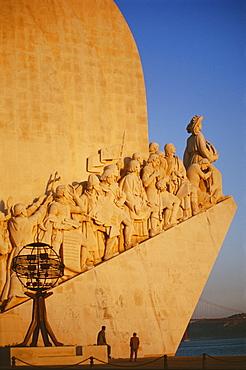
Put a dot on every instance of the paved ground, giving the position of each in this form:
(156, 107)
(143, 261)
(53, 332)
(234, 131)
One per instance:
(171, 363)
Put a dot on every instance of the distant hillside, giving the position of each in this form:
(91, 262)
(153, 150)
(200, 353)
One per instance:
(218, 330)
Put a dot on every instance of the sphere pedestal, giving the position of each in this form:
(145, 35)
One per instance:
(38, 268)
(40, 322)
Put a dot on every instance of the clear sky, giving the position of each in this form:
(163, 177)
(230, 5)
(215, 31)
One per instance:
(193, 54)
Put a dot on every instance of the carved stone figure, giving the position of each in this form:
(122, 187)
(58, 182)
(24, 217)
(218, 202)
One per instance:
(163, 164)
(61, 231)
(136, 200)
(5, 247)
(214, 185)
(153, 147)
(22, 228)
(138, 157)
(179, 184)
(151, 175)
(197, 147)
(196, 173)
(115, 215)
(115, 168)
(168, 204)
(90, 199)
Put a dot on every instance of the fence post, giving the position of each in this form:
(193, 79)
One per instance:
(91, 362)
(165, 362)
(204, 365)
(13, 361)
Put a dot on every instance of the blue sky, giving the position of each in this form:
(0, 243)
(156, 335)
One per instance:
(193, 54)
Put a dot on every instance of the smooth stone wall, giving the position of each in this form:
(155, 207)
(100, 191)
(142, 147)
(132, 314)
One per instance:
(71, 84)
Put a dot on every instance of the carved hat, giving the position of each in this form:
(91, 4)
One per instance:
(107, 173)
(193, 122)
(113, 167)
(93, 180)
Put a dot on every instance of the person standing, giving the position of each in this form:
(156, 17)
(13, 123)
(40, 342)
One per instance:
(101, 340)
(134, 345)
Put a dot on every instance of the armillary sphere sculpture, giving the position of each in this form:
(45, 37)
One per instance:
(38, 268)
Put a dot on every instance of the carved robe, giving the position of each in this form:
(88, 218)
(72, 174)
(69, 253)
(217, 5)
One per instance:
(198, 148)
(21, 234)
(136, 199)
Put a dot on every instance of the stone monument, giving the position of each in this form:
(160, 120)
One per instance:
(137, 229)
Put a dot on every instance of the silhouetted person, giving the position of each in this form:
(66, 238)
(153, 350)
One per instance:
(101, 340)
(134, 344)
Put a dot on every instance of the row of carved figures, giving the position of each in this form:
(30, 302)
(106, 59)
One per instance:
(115, 211)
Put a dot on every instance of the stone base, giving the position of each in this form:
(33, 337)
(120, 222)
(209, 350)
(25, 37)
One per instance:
(57, 356)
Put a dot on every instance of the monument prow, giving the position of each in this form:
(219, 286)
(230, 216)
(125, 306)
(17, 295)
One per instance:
(152, 288)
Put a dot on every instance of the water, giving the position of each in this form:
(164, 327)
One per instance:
(215, 347)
